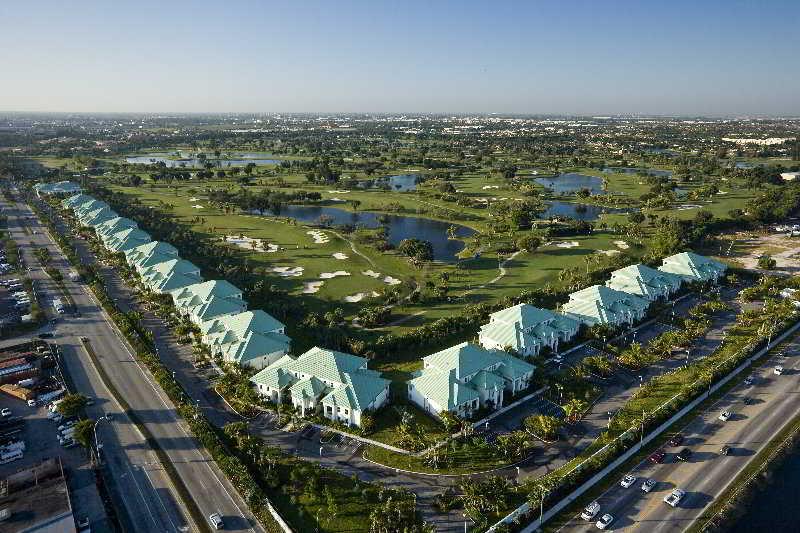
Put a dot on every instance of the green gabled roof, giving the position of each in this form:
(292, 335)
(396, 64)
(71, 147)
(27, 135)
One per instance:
(514, 367)
(443, 388)
(172, 282)
(114, 225)
(127, 239)
(74, 201)
(484, 380)
(693, 266)
(149, 249)
(275, 375)
(308, 388)
(327, 364)
(215, 287)
(509, 335)
(151, 260)
(360, 389)
(60, 187)
(241, 323)
(172, 266)
(215, 307)
(465, 359)
(256, 345)
(89, 206)
(524, 314)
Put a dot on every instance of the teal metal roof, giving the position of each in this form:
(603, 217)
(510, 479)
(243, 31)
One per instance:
(465, 359)
(443, 388)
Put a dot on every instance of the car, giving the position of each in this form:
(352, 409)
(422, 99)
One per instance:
(5, 412)
(628, 481)
(648, 485)
(558, 359)
(68, 443)
(673, 499)
(604, 521)
(778, 370)
(83, 523)
(684, 454)
(31, 403)
(657, 456)
(748, 380)
(724, 416)
(725, 450)
(676, 440)
(591, 510)
(216, 520)
(748, 400)
(45, 335)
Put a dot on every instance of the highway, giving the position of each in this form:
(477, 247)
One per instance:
(773, 401)
(151, 501)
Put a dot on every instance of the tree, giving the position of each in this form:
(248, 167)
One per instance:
(83, 432)
(529, 243)
(417, 250)
(766, 262)
(71, 404)
(543, 426)
(574, 408)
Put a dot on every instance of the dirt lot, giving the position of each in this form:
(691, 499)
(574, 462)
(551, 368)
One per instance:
(747, 247)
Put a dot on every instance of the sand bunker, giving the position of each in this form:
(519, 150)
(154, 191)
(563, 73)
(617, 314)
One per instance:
(330, 275)
(252, 244)
(609, 252)
(194, 199)
(288, 272)
(310, 287)
(567, 244)
(688, 206)
(621, 245)
(198, 206)
(372, 274)
(339, 192)
(353, 298)
(320, 237)
(340, 255)
(334, 199)
(389, 280)
(485, 187)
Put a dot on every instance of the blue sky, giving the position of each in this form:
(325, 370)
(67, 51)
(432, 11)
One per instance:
(560, 57)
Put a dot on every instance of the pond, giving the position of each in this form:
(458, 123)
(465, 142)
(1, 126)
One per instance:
(400, 227)
(197, 163)
(578, 211)
(400, 183)
(650, 171)
(570, 182)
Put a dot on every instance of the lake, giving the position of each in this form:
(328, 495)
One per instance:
(650, 171)
(578, 211)
(773, 508)
(401, 182)
(400, 227)
(570, 182)
(196, 163)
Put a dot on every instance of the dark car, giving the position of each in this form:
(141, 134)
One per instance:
(748, 400)
(657, 456)
(684, 454)
(45, 335)
(725, 450)
(676, 440)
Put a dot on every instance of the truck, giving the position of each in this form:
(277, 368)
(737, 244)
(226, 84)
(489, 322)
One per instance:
(58, 305)
(45, 398)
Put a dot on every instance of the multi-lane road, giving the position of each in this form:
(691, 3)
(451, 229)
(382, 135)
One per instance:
(759, 411)
(150, 499)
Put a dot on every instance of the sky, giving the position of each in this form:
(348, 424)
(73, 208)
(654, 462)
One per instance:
(562, 57)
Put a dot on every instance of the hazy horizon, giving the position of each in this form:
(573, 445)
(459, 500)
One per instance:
(575, 58)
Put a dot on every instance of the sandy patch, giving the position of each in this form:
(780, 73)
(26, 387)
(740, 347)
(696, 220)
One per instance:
(310, 287)
(320, 237)
(372, 274)
(686, 207)
(485, 187)
(353, 298)
(197, 206)
(334, 199)
(252, 244)
(340, 255)
(288, 272)
(389, 280)
(621, 245)
(609, 252)
(194, 199)
(330, 275)
(338, 192)
(568, 244)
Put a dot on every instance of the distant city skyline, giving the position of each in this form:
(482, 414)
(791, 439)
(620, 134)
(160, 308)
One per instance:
(571, 58)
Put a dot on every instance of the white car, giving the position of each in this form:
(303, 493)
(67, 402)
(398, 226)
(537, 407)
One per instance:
(674, 497)
(216, 520)
(628, 481)
(724, 416)
(778, 370)
(648, 485)
(591, 511)
(604, 521)
(5, 413)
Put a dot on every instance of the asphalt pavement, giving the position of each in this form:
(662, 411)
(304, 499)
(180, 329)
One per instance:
(772, 402)
(133, 463)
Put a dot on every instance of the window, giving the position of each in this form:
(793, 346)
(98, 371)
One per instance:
(346, 412)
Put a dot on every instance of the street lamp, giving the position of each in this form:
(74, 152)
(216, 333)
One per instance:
(320, 451)
(641, 379)
(97, 444)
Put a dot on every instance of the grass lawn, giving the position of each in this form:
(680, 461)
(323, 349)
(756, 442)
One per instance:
(386, 421)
